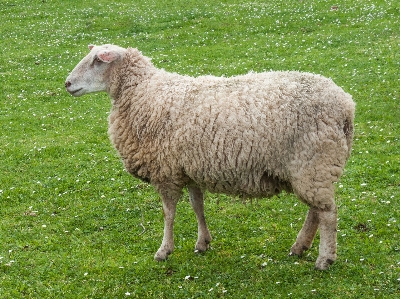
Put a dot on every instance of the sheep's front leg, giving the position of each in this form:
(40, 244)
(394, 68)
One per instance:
(167, 245)
(197, 201)
(307, 233)
(328, 234)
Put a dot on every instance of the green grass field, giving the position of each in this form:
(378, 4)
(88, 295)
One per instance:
(74, 224)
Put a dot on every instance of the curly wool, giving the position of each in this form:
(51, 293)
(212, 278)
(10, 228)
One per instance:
(251, 135)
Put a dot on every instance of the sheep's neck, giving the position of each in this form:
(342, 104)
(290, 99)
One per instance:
(135, 69)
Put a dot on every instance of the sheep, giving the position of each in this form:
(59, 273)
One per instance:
(250, 135)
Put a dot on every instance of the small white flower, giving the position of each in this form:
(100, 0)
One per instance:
(127, 294)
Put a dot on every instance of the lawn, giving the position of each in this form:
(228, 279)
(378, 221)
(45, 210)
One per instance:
(74, 224)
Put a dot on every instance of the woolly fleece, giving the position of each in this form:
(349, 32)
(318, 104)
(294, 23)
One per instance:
(251, 135)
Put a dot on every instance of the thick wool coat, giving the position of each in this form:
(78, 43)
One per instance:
(251, 135)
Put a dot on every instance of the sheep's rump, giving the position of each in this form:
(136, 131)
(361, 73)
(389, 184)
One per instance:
(252, 135)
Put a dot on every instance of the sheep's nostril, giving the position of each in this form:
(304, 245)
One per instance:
(68, 84)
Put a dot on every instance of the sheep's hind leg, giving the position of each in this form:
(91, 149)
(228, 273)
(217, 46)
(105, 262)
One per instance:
(307, 233)
(197, 201)
(169, 209)
(328, 232)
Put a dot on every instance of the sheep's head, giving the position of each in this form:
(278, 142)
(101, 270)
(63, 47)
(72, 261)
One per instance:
(93, 72)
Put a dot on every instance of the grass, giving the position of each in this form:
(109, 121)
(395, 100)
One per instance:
(73, 224)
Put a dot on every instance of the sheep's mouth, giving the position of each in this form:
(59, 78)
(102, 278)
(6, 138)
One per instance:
(75, 91)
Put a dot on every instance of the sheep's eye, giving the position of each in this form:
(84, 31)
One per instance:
(97, 59)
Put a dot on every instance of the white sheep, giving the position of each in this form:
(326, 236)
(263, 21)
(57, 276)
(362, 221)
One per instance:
(252, 135)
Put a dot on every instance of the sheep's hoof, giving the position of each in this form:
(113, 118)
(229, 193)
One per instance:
(297, 249)
(323, 263)
(203, 242)
(162, 255)
(201, 247)
(159, 258)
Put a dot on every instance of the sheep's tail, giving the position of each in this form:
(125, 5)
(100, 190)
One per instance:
(348, 130)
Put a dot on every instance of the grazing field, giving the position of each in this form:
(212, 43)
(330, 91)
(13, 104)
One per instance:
(74, 224)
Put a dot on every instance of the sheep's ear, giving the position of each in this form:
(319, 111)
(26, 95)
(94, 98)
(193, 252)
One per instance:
(108, 55)
(91, 47)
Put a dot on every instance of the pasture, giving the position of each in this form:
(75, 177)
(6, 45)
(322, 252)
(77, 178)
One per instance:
(74, 224)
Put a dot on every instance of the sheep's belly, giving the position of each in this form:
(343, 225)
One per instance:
(248, 185)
